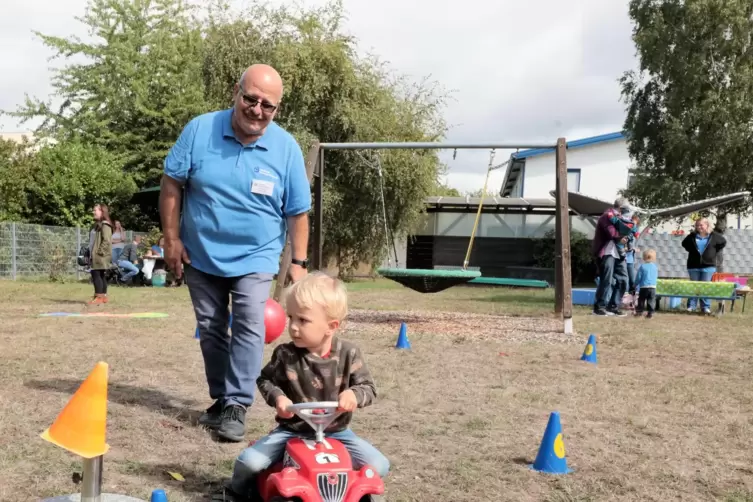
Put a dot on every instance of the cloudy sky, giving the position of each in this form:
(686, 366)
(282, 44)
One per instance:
(520, 71)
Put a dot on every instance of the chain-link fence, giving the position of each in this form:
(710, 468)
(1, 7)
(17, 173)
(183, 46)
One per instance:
(40, 251)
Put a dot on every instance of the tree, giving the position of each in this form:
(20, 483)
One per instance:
(477, 193)
(154, 66)
(334, 95)
(689, 107)
(446, 190)
(138, 84)
(15, 178)
(67, 179)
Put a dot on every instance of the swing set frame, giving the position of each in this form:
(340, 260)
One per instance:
(315, 164)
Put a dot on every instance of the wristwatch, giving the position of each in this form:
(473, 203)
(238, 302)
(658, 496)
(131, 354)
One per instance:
(300, 263)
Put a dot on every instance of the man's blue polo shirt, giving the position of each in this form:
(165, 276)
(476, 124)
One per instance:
(236, 198)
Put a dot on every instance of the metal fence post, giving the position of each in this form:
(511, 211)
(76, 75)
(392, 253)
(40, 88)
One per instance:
(13, 251)
(78, 246)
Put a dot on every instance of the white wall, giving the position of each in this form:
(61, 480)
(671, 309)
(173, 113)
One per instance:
(603, 171)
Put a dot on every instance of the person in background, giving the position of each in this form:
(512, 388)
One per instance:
(158, 249)
(100, 244)
(129, 258)
(611, 266)
(630, 256)
(118, 241)
(150, 258)
(702, 246)
(645, 281)
(624, 222)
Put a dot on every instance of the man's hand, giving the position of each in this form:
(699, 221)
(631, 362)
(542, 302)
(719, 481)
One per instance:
(347, 401)
(176, 256)
(281, 405)
(296, 272)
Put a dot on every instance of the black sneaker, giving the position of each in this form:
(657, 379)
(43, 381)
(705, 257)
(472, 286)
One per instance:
(233, 424)
(212, 417)
(602, 312)
(616, 312)
(649, 315)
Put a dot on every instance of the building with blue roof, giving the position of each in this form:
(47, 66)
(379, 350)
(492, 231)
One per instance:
(597, 166)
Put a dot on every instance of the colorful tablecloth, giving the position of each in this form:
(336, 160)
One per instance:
(675, 287)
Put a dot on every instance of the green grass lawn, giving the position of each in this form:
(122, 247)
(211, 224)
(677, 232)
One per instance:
(664, 415)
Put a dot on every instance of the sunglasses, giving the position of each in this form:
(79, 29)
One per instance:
(252, 101)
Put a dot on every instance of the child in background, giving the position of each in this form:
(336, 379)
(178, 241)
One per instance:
(630, 256)
(315, 366)
(625, 223)
(645, 281)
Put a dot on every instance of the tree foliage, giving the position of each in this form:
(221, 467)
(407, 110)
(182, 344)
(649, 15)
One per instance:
(479, 191)
(69, 178)
(690, 107)
(15, 178)
(154, 65)
(334, 95)
(59, 183)
(138, 82)
(581, 258)
(446, 190)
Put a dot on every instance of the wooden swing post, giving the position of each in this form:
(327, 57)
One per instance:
(563, 287)
(312, 161)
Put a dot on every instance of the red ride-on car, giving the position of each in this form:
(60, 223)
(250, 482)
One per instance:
(318, 470)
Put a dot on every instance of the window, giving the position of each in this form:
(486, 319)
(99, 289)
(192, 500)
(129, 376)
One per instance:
(573, 180)
(631, 180)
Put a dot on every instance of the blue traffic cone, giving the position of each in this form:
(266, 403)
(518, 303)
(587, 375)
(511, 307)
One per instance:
(551, 457)
(158, 495)
(402, 338)
(589, 353)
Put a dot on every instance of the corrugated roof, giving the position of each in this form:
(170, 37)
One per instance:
(490, 200)
(445, 202)
(490, 204)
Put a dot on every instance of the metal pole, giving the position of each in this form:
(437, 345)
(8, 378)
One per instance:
(91, 485)
(318, 212)
(13, 251)
(78, 246)
(435, 146)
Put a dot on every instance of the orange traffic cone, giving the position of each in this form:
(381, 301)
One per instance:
(80, 427)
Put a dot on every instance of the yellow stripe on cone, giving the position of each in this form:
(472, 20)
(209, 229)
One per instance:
(80, 428)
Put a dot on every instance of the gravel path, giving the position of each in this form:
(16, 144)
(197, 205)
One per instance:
(456, 325)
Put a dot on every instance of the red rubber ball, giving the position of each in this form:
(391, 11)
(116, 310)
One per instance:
(274, 320)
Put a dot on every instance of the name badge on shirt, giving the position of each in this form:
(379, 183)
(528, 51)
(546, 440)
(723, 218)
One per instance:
(263, 187)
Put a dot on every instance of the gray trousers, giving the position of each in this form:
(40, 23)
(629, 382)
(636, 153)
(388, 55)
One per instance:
(232, 363)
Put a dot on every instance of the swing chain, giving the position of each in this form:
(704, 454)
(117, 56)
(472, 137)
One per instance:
(387, 232)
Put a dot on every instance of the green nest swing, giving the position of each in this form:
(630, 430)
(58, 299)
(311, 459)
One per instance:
(434, 280)
(428, 280)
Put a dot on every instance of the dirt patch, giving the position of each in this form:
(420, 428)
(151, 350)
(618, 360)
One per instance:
(461, 326)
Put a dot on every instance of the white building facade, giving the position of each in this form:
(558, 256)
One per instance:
(597, 166)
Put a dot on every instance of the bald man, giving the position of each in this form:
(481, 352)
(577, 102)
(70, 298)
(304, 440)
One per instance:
(243, 183)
